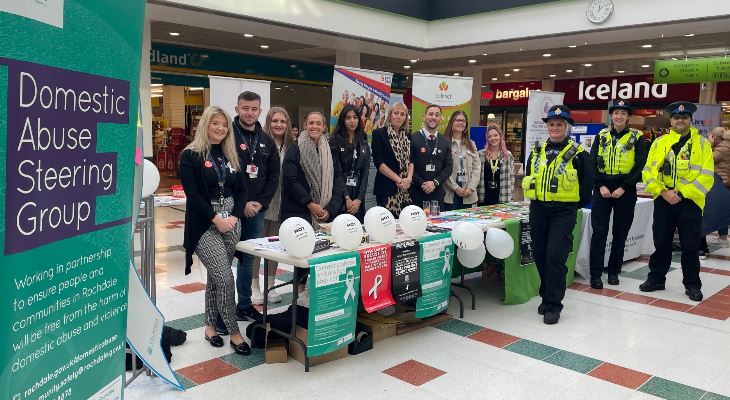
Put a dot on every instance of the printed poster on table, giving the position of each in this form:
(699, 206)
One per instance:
(437, 259)
(538, 105)
(452, 93)
(405, 267)
(333, 300)
(368, 91)
(69, 93)
(375, 278)
(526, 257)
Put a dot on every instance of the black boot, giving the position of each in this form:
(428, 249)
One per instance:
(596, 282)
(694, 294)
(551, 317)
(612, 279)
(650, 286)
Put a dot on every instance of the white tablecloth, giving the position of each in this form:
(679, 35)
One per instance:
(639, 241)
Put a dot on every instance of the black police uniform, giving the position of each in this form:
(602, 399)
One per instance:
(431, 162)
(622, 207)
(552, 224)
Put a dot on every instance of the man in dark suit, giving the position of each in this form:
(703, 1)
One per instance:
(431, 154)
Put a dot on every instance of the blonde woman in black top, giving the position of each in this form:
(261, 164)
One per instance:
(216, 194)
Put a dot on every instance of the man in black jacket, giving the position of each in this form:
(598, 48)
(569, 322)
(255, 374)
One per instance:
(260, 161)
(431, 155)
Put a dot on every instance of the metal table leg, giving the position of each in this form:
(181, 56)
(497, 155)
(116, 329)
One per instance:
(467, 288)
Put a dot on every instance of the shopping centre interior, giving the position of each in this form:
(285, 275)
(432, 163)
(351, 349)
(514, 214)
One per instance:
(610, 344)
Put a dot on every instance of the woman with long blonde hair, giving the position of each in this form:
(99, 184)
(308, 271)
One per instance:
(278, 126)
(497, 182)
(216, 194)
(461, 187)
(391, 150)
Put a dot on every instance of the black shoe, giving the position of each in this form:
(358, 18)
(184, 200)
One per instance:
(215, 340)
(694, 294)
(551, 317)
(249, 314)
(612, 279)
(541, 309)
(650, 286)
(596, 283)
(703, 254)
(241, 348)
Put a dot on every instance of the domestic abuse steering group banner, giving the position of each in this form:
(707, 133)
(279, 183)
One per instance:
(69, 93)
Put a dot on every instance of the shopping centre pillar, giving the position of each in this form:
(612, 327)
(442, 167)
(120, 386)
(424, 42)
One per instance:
(708, 93)
(144, 91)
(548, 85)
(476, 92)
(347, 58)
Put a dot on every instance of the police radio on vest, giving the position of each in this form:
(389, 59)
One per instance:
(626, 91)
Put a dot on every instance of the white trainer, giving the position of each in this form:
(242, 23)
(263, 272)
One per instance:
(256, 297)
(274, 296)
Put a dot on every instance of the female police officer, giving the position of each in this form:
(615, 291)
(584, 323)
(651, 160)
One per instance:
(558, 183)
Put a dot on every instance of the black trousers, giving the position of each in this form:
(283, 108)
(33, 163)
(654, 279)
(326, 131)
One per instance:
(623, 216)
(551, 226)
(687, 217)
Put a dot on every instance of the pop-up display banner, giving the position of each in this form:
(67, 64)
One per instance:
(69, 92)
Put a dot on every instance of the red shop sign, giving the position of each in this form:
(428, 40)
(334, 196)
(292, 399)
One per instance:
(509, 94)
(636, 88)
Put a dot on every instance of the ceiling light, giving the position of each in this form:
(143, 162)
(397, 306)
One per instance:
(568, 70)
(520, 49)
(456, 74)
(472, 61)
(507, 74)
(587, 65)
(646, 46)
(494, 79)
(553, 75)
(485, 54)
(155, 95)
(572, 46)
(155, 85)
(585, 43)
(620, 71)
(247, 35)
(414, 61)
(196, 89)
(407, 67)
(277, 88)
(547, 55)
(689, 34)
(516, 69)
(645, 66)
(264, 46)
(174, 34)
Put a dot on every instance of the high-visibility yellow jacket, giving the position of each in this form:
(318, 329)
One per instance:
(690, 172)
(618, 155)
(554, 181)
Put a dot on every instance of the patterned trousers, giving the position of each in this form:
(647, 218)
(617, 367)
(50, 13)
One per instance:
(215, 251)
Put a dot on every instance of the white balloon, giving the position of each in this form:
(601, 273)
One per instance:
(150, 178)
(297, 237)
(471, 258)
(499, 243)
(347, 231)
(467, 235)
(413, 221)
(380, 225)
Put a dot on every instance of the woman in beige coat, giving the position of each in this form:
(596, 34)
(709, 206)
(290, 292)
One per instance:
(461, 187)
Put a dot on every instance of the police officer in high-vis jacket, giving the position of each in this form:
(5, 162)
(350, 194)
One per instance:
(558, 183)
(618, 155)
(679, 173)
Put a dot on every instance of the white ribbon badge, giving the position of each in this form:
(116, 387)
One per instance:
(447, 263)
(350, 281)
(374, 291)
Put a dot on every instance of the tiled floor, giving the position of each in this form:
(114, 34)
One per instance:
(616, 343)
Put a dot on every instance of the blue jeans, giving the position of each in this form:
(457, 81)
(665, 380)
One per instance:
(252, 229)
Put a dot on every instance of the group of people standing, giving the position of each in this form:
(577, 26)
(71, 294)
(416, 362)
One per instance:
(243, 179)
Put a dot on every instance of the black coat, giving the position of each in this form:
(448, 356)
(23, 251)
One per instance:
(383, 154)
(295, 191)
(421, 156)
(198, 211)
(360, 168)
(263, 187)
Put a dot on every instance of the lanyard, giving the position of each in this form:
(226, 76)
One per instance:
(494, 165)
(221, 175)
(355, 152)
(461, 157)
(251, 149)
(432, 152)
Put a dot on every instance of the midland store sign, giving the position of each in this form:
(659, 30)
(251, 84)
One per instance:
(635, 88)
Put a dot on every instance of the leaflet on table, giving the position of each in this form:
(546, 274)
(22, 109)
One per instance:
(437, 259)
(333, 301)
(375, 278)
(406, 272)
(266, 244)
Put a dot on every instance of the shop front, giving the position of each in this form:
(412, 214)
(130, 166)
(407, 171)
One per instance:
(505, 105)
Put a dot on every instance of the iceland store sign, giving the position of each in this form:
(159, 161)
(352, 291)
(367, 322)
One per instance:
(636, 88)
